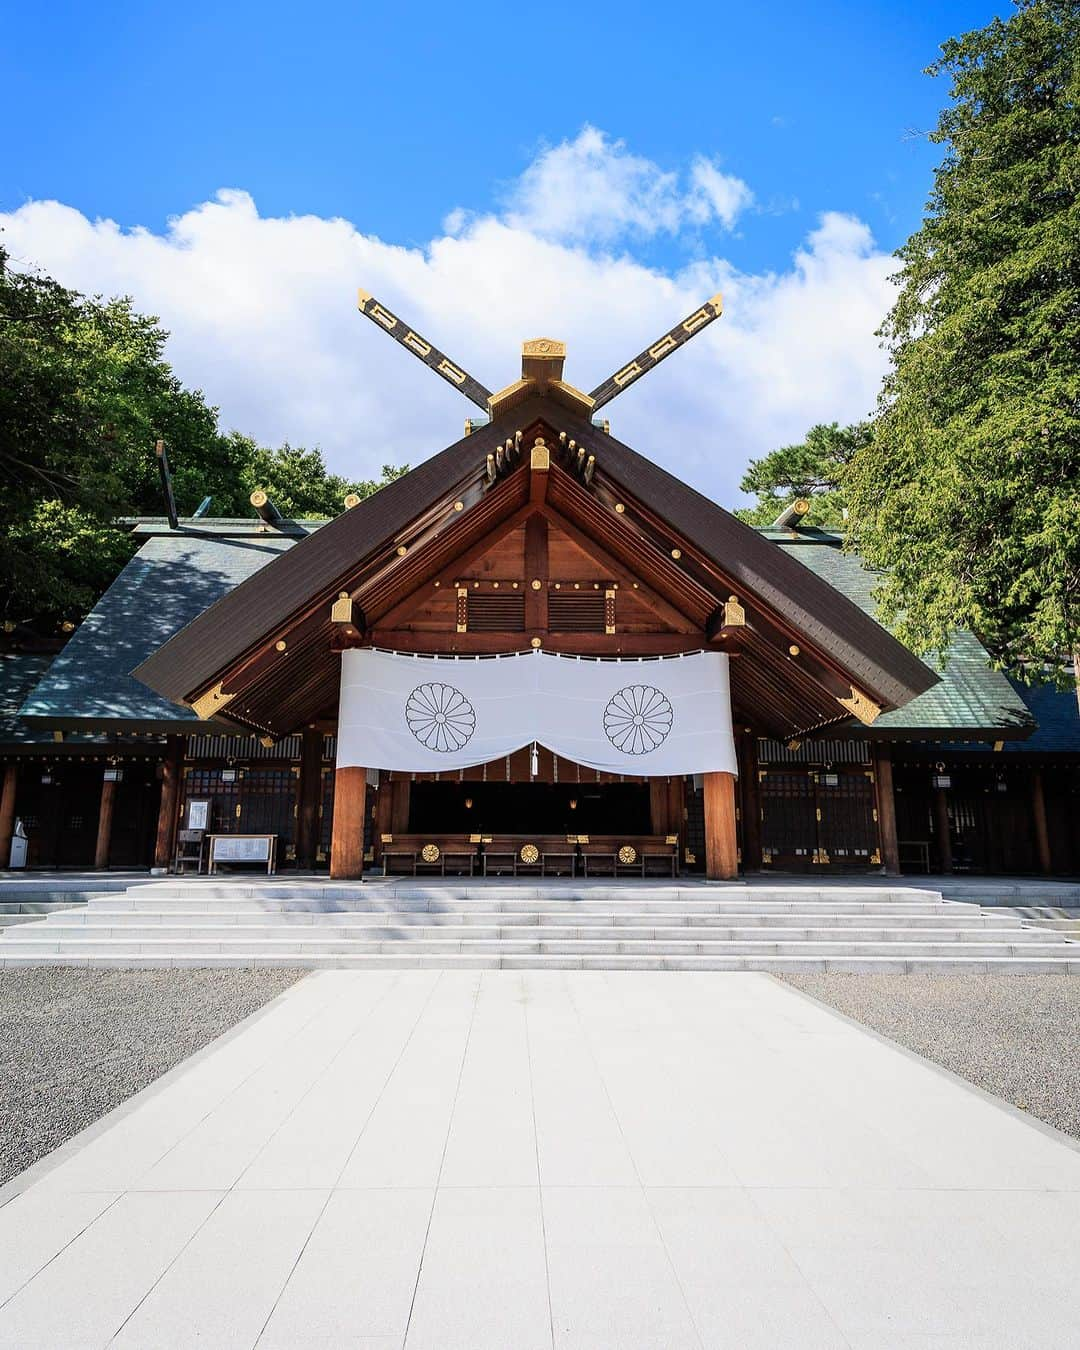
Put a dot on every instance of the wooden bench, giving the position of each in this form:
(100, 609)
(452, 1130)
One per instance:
(613, 855)
(536, 855)
(417, 855)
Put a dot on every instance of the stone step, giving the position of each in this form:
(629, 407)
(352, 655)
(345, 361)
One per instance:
(542, 888)
(44, 942)
(399, 960)
(530, 905)
(139, 929)
(972, 919)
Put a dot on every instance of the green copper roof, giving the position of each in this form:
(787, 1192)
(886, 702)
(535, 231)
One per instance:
(971, 696)
(174, 576)
(19, 673)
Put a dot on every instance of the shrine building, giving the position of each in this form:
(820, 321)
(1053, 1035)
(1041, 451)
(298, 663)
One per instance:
(538, 653)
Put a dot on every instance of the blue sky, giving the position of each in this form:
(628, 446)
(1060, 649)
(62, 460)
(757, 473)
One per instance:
(425, 124)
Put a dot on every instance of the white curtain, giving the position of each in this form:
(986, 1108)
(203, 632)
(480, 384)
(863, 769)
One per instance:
(417, 714)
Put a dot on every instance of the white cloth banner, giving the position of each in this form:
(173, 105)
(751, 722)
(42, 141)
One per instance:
(432, 714)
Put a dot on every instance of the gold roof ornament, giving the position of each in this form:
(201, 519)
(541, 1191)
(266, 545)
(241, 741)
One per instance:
(542, 360)
(206, 705)
(861, 706)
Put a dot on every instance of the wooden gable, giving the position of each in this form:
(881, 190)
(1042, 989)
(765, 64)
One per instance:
(538, 580)
(559, 503)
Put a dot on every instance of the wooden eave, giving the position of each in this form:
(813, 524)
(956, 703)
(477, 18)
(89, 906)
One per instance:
(691, 553)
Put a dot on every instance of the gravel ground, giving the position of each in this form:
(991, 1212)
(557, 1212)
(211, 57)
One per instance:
(1018, 1036)
(76, 1043)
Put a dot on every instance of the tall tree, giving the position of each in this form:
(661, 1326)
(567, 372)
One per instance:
(812, 470)
(85, 392)
(298, 480)
(969, 493)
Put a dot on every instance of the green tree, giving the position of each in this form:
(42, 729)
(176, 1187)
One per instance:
(812, 470)
(85, 392)
(969, 494)
(298, 481)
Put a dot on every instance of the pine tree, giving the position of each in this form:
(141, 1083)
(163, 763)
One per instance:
(969, 493)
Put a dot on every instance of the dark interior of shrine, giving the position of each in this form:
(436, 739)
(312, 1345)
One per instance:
(529, 808)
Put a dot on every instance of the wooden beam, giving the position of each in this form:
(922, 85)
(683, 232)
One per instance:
(749, 801)
(658, 806)
(106, 807)
(721, 839)
(886, 808)
(578, 644)
(399, 809)
(536, 574)
(423, 350)
(265, 508)
(7, 812)
(1038, 817)
(539, 466)
(347, 833)
(941, 828)
(165, 841)
(165, 473)
(656, 352)
(307, 812)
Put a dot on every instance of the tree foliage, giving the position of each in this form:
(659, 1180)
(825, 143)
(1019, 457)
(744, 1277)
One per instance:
(85, 392)
(969, 493)
(812, 470)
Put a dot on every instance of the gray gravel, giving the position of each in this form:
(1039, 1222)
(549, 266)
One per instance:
(1018, 1036)
(76, 1043)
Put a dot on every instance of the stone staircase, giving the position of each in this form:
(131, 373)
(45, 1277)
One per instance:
(387, 924)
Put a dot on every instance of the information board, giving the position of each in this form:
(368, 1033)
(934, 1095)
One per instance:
(243, 848)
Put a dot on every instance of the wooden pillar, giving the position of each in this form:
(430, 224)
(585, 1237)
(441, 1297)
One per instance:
(307, 813)
(886, 810)
(749, 801)
(165, 843)
(721, 847)
(347, 833)
(676, 793)
(104, 823)
(1038, 814)
(384, 808)
(658, 806)
(941, 827)
(7, 812)
(399, 809)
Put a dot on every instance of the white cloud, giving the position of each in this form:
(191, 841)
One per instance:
(718, 194)
(592, 190)
(262, 316)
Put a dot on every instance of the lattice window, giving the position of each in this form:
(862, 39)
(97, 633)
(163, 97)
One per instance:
(577, 611)
(491, 611)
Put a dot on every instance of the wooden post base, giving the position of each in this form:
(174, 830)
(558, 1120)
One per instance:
(721, 843)
(347, 836)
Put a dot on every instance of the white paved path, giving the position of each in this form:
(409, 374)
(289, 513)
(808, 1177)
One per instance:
(537, 1159)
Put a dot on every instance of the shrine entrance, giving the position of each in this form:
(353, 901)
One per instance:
(530, 808)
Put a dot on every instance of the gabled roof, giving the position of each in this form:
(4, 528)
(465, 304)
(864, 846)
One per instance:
(173, 578)
(970, 699)
(234, 626)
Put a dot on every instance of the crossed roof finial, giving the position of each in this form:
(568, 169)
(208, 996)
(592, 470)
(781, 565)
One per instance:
(541, 362)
